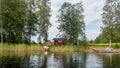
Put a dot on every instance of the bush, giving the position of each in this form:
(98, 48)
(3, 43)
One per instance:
(116, 46)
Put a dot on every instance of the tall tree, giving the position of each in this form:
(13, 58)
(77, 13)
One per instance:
(71, 21)
(111, 16)
(1, 24)
(13, 13)
(44, 16)
(30, 27)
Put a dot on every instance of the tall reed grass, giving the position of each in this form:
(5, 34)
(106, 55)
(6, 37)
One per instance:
(38, 48)
(19, 47)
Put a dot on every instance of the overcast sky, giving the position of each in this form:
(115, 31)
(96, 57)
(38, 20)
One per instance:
(92, 13)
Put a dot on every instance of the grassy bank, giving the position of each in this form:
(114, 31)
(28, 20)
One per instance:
(36, 48)
(114, 45)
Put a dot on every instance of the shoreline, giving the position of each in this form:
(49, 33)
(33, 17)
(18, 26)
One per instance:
(55, 50)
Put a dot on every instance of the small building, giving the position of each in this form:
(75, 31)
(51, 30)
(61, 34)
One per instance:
(58, 41)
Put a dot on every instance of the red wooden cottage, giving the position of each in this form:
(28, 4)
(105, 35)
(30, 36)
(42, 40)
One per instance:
(58, 41)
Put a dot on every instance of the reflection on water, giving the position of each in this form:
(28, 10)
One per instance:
(75, 60)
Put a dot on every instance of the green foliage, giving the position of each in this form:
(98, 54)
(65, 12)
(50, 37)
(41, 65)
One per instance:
(83, 43)
(116, 46)
(111, 16)
(100, 39)
(71, 21)
(30, 28)
(13, 14)
(22, 19)
(44, 16)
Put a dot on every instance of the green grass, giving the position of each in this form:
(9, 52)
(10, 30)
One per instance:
(114, 45)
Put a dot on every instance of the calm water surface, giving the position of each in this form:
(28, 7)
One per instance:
(67, 60)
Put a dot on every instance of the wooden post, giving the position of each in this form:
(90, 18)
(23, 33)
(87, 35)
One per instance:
(110, 43)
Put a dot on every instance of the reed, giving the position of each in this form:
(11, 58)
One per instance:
(38, 48)
(19, 47)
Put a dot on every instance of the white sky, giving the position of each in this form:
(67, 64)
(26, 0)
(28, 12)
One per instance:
(92, 12)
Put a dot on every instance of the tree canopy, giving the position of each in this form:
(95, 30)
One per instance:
(71, 21)
(13, 15)
(22, 19)
(111, 16)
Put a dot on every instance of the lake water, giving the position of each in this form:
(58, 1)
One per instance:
(59, 60)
